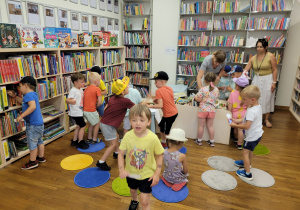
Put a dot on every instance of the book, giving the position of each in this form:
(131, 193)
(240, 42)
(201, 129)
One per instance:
(64, 37)
(97, 39)
(32, 36)
(81, 40)
(74, 39)
(6, 149)
(87, 39)
(113, 39)
(50, 38)
(106, 39)
(9, 37)
(4, 100)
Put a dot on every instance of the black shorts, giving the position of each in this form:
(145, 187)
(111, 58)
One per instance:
(79, 121)
(250, 145)
(166, 124)
(143, 185)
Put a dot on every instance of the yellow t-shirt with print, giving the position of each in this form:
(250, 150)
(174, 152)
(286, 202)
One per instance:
(102, 87)
(140, 155)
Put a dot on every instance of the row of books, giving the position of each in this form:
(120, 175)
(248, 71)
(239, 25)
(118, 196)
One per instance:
(138, 79)
(138, 38)
(112, 72)
(143, 91)
(7, 102)
(195, 24)
(297, 94)
(109, 57)
(76, 61)
(9, 148)
(146, 24)
(194, 40)
(108, 88)
(67, 83)
(137, 52)
(134, 9)
(8, 125)
(268, 23)
(226, 41)
(296, 108)
(276, 42)
(268, 5)
(49, 88)
(189, 55)
(196, 8)
(231, 24)
(52, 129)
(137, 65)
(50, 111)
(188, 69)
(193, 84)
(221, 6)
(235, 56)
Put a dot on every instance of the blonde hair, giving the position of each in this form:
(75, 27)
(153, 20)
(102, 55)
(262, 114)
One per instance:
(208, 78)
(220, 56)
(251, 91)
(93, 77)
(138, 110)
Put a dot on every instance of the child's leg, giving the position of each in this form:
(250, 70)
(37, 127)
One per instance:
(112, 145)
(201, 124)
(90, 132)
(33, 154)
(210, 127)
(145, 201)
(76, 131)
(246, 157)
(134, 194)
(163, 137)
(41, 151)
(240, 136)
(80, 133)
(95, 131)
(235, 133)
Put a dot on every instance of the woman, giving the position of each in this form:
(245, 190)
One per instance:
(212, 63)
(265, 68)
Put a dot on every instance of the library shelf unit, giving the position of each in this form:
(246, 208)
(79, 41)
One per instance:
(137, 40)
(295, 101)
(215, 28)
(86, 58)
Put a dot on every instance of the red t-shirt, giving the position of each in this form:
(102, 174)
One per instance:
(90, 98)
(116, 110)
(166, 94)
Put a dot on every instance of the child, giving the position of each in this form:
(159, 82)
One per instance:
(226, 85)
(176, 172)
(75, 99)
(237, 107)
(91, 100)
(164, 99)
(112, 118)
(237, 71)
(31, 112)
(144, 157)
(207, 97)
(252, 124)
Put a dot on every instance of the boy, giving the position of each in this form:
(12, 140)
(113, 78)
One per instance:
(252, 124)
(164, 99)
(112, 118)
(75, 99)
(31, 112)
(236, 72)
(144, 156)
(92, 100)
(226, 85)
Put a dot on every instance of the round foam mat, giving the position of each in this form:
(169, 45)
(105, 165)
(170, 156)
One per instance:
(261, 150)
(166, 194)
(260, 178)
(222, 163)
(183, 150)
(76, 162)
(120, 187)
(219, 180)
(93, 148)
(91, 177)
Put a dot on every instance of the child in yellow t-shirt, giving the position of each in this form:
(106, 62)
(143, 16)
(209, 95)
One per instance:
(144, 156)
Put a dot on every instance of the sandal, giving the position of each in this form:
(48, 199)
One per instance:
(268, 124)
(211, 143)
(198, 142)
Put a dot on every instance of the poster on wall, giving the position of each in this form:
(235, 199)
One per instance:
(103, 23)
(116, 26)
(15, 11)
(49, 17)
(102, 4)
(33, 14)
(116, 6)
(93, 3)
(74, 1)
(95, 23)
(110, 24)
(63, 18)
(85, 22)
(109, 5)
(85, 2)
(75, 21)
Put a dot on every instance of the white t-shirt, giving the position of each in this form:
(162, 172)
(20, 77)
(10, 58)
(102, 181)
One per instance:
(77, 95)
(255, 131)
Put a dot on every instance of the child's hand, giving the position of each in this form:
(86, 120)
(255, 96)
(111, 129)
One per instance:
(155, 180)
(11, 93)
(19, 118)
(123, 174)
(73, 102)
(236, 121)
(221, 88)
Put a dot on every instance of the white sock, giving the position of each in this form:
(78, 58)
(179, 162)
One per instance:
(116, 152)
(101, 161)
(212, 140)
(199, 140)
(163, 141)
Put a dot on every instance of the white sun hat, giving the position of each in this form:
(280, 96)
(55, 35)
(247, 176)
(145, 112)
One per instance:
(177, 134)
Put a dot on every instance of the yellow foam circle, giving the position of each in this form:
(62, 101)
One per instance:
(76, 162)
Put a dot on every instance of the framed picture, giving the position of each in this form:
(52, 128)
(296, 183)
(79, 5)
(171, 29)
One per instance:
(103, 23)
(93, 3)
(116, 26)
(84, 22)
(109, 5)
(33, 13)
(49, 15)
(75, 21)
(62, 18)
(102, 4)
(85, 2)
(95, 26)
(74, 1)
(110, 24)
(116, 6)
(15, 12)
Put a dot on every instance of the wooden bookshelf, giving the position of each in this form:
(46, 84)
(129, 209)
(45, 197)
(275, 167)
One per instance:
(295, 100)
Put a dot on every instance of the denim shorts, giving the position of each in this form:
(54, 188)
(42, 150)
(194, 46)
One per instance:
(34, 135)
(250, 145)
(100, 109)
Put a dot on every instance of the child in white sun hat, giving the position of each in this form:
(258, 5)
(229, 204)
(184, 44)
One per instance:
(176, 172)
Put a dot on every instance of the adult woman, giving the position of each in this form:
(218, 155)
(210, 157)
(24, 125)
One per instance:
(212, 63)
(265, 68)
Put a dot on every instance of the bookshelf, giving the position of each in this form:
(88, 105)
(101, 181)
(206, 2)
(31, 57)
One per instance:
(220, 25)
(138, 42)
(295, 100)
(110, 59)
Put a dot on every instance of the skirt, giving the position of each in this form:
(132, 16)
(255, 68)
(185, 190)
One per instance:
(267, 98)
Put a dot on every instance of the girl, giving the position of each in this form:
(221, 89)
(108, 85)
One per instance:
(176, 172)
(207, 97)
(237, 108)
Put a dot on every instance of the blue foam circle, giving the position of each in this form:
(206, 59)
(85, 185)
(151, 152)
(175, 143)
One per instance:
(93, 148)
(183, 150)
(91, 177)
(166, 194)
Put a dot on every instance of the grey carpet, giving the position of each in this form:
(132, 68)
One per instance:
(219, 180)
(222, 163)
(260, 178)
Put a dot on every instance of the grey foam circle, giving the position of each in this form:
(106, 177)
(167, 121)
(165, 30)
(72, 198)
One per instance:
(222, 163)
(219, 180)
(260, 178)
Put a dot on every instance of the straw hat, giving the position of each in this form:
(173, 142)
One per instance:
(177, 134)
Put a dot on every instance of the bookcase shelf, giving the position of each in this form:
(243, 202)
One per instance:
(136, 16)
(295, 100)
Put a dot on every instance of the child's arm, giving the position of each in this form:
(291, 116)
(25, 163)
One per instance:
(183, 160)
(230, 107)
(122, 173)
(104, 92)
(155, 177)
(12, 94)
(245, 126)
(31, 108)
(159, 104)
(99, 101)
(198, 98)
(71, 101)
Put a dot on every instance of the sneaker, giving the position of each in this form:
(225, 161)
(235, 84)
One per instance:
(99, 132)
(74, 143)
(133, 205)
(211, 143)
(120, 140)
(83, 145)
(235, 140)
(41, 159)
(115, 155)
(103, 166)
(30, 165)
(239, 146)
(164, 144)
(239, 163)
(242, 173)
(198, 142)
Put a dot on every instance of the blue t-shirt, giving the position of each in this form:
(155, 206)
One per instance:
(225, 82)
(35, 118)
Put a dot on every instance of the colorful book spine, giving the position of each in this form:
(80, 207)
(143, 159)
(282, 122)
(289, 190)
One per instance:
(137, 52)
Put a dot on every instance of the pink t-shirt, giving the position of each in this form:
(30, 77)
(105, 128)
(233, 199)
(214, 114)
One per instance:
(209, 98)
(235, 99)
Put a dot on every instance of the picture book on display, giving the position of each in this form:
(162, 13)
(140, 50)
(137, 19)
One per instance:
(32, 36)
(87, 39)
(51, 40)
(9, 37)
(114, 39)
(97, 39)
(64, 37)
(74, 39)
(81, 40)
(106, 38)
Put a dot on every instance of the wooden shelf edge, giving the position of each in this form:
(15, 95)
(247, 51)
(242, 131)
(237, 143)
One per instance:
(294, 114)
(50, 118)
